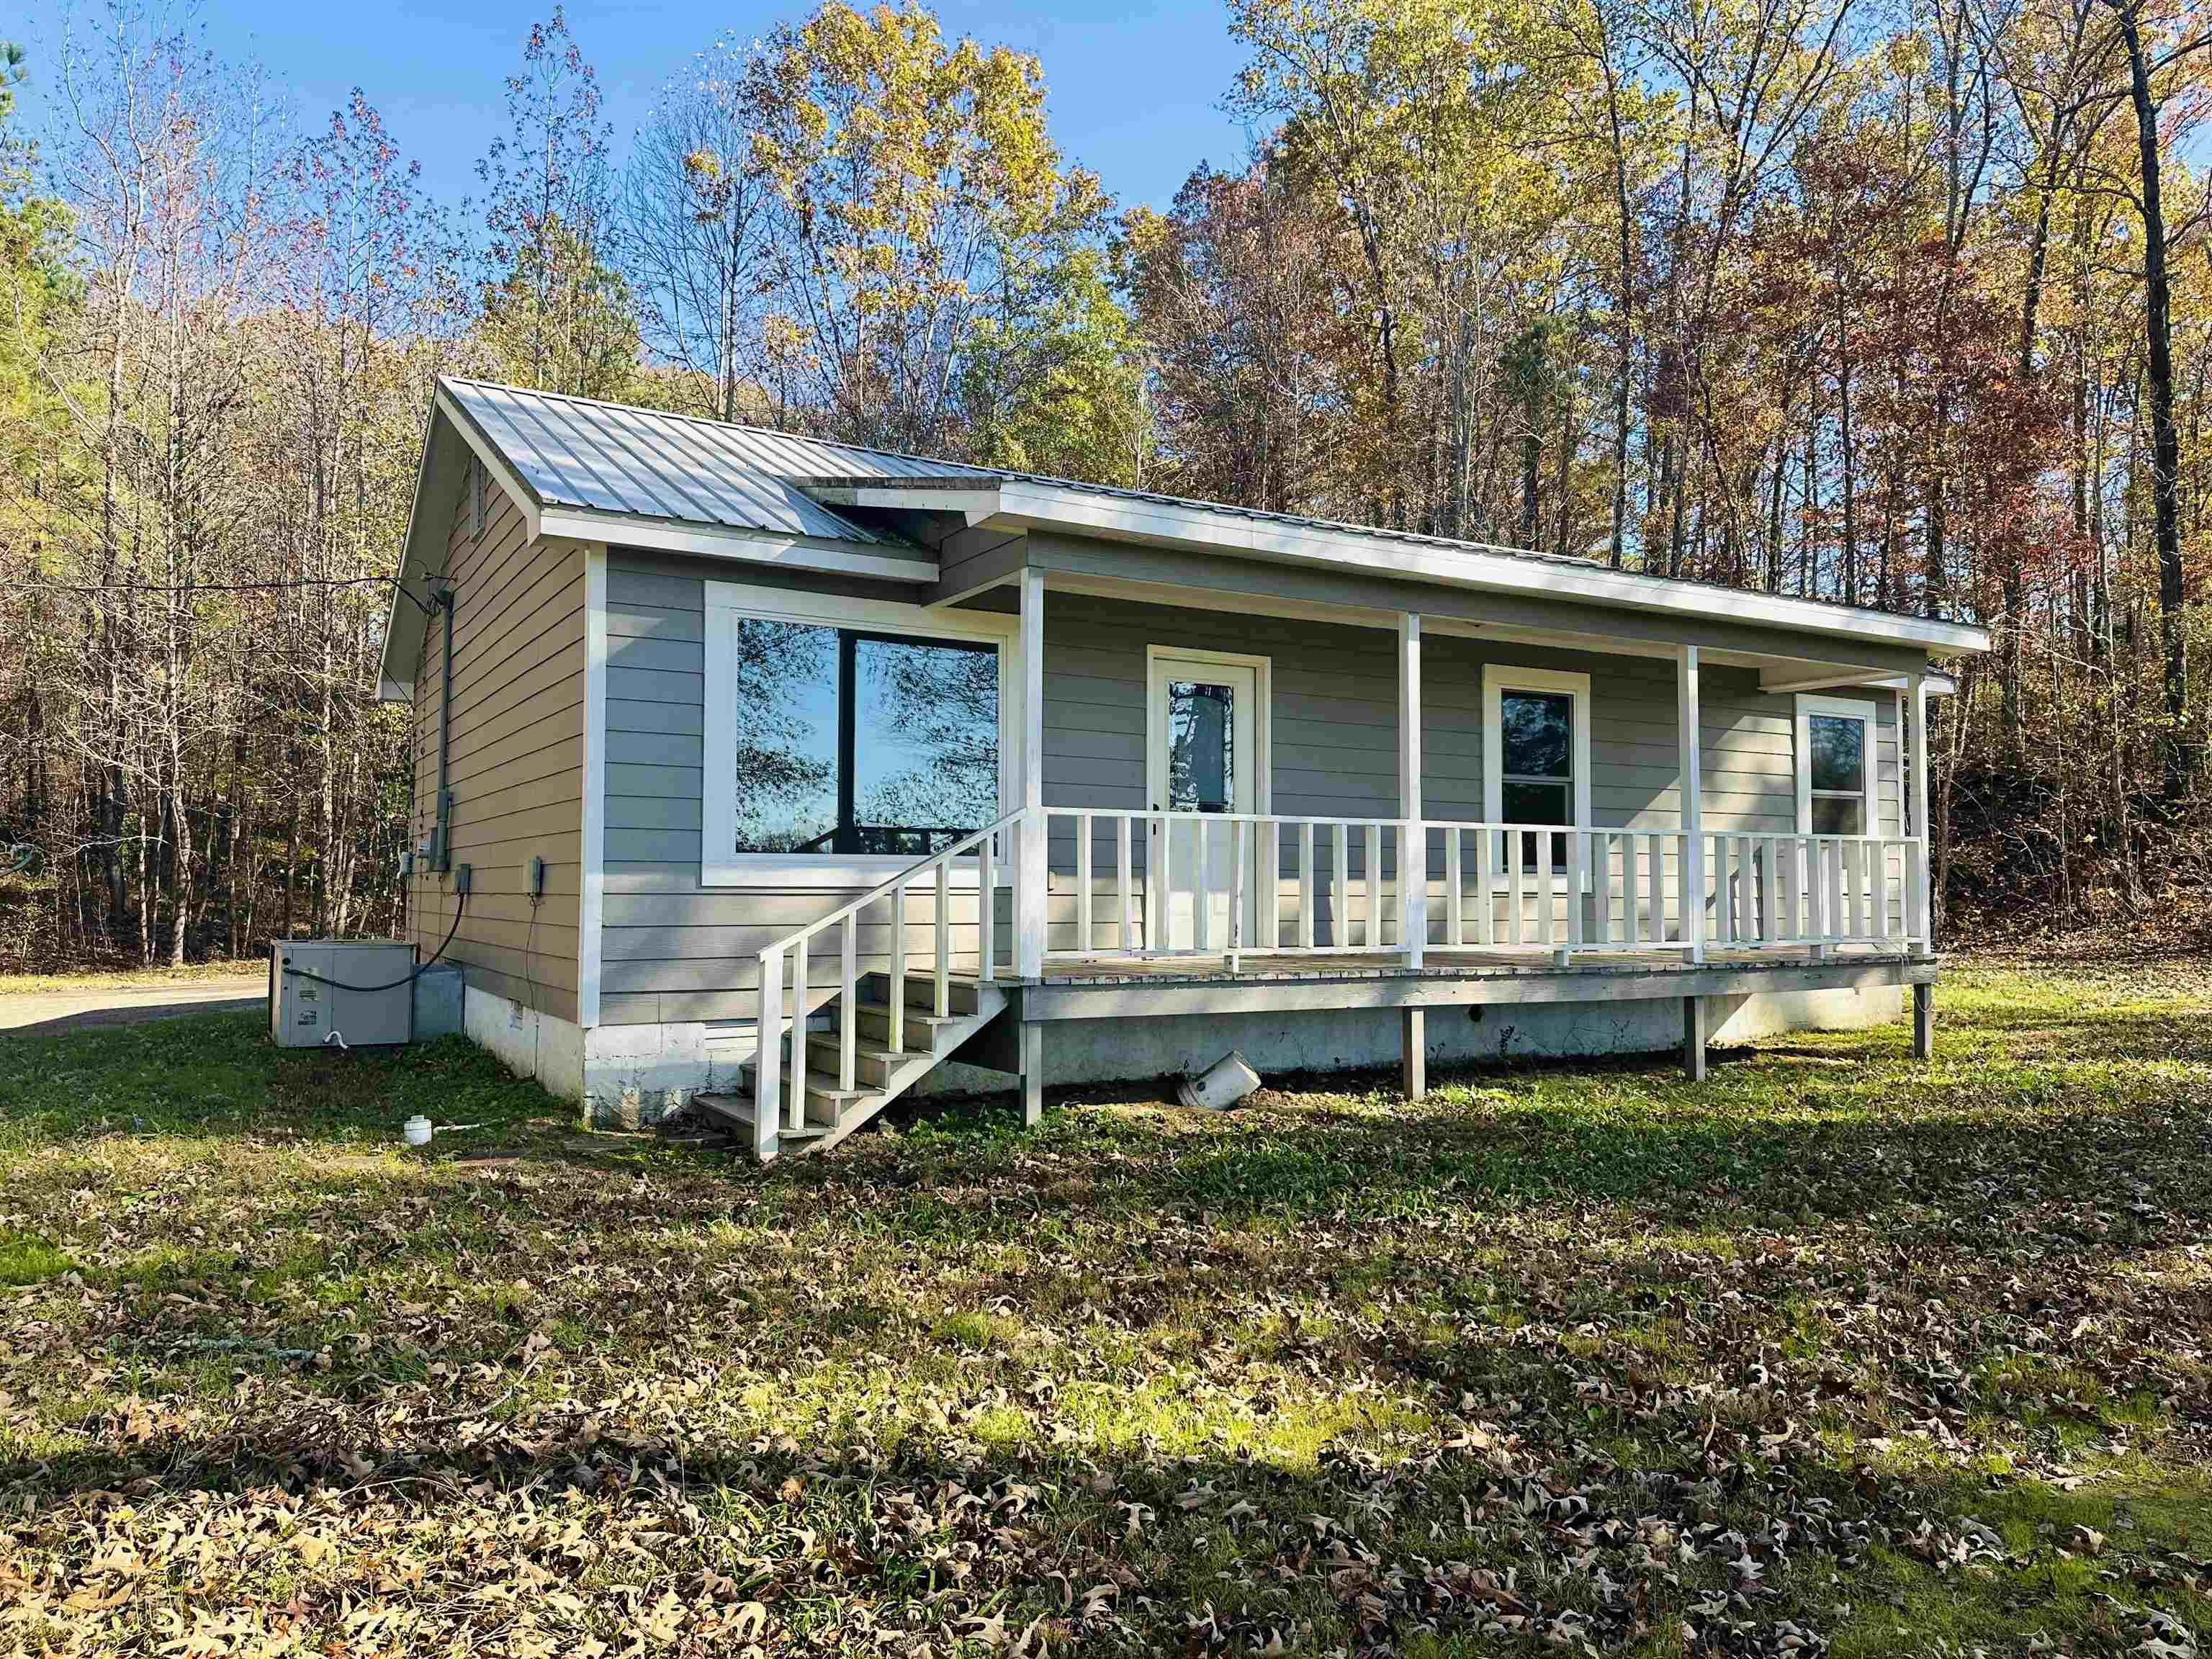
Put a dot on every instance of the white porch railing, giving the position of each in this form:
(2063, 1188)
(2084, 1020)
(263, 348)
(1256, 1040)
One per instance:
(775, 1088)
(1158, 884)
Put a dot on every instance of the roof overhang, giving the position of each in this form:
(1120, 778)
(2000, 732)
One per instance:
(1021, 504)
(451, 439)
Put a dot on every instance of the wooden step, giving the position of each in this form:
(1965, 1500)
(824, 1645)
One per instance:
(725, 1111)
(962, 995)
(922, 1026)
(872, 1063)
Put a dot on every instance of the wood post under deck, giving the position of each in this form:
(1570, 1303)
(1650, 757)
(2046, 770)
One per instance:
(1415, 1038)
(1032, 1075)
(1924, 1021)
(1693, 1038)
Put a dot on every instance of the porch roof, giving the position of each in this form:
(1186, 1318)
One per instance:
(598, 470)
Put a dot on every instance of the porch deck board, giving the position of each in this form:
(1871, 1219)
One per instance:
(1447, 964)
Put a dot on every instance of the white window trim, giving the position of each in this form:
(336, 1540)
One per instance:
(1156, 718)
(1498, 678)
(727, 603)
(1857, 708)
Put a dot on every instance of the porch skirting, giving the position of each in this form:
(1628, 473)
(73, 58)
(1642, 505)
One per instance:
(635, 1074)
(1136, 1049)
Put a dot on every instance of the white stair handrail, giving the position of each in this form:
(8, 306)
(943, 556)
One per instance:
(769, 1082)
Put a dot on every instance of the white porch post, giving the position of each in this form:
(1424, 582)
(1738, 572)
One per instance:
(1412, 833)
(1690, 877)
(1030, 865)
(1923, 923)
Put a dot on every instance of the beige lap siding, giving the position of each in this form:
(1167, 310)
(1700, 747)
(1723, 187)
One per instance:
(675, 950)
(516, 765)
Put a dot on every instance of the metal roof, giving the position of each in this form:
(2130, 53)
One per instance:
(610, 458)
(602, 457)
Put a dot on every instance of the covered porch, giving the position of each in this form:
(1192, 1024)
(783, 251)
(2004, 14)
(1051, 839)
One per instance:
(1090, 897)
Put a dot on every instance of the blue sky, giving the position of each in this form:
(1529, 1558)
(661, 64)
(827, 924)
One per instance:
(1133, 90)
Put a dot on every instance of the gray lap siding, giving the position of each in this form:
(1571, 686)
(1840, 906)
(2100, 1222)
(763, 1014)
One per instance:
(673, 950)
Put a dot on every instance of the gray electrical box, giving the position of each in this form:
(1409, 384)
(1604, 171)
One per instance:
(358, 987)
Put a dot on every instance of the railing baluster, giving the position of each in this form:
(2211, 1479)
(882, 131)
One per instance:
(767, 1053)
(1577, 854)
(1124, 921)
(1306, 886)
(987, 912)
(1372, 843)
(1600, 867)
(1546, 930)
(1878, 888)
(1486, 855)
(1156, 886)
(1838, 917)
(1202, 884)
(1747, 895)
(1275, 883)
(849, 1001)
(801, 984)
(1339, 897)
(1083, 939)
(940, 1002)
(898, 969)
(1516, 885)
(1455, 893)
(1631, 927)
(1237, 844)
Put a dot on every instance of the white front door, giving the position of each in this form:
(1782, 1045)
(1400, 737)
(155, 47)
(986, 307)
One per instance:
(1203, 755)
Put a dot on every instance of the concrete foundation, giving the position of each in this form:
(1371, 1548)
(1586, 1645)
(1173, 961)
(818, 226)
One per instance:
(635, 1074)
(533, 1044)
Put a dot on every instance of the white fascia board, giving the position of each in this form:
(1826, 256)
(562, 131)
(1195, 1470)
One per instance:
(524, 497)
(976, 505)
(1029, 505)
(723, 542)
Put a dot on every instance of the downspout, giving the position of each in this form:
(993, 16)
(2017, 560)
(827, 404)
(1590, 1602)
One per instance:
(444, 832)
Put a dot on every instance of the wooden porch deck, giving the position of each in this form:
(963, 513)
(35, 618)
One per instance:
(1107, 987)
(1486, 962)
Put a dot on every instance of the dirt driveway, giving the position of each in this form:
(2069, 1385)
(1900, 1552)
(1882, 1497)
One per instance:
(25, 1011)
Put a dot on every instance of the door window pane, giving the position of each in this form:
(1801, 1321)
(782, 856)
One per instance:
(1839, 757)
(1201, 746)
(925, 743)
(1537, 731)
(786, 790)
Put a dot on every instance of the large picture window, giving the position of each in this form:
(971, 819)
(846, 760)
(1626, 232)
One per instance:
(862, 744)
(1835, 766)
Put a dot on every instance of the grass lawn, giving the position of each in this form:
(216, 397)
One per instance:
(1834, 1352)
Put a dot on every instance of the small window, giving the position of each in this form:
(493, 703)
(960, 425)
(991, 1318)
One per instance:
(1536, 771)
(1537, 755)
(476, 501)
(1835, 767)
(850, 743)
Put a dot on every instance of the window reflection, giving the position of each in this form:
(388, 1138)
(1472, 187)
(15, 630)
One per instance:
(1837, 765)
(1535, 733)
(1201, 746)
(854, 743)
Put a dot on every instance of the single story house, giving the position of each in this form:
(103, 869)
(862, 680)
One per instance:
(799, 776)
